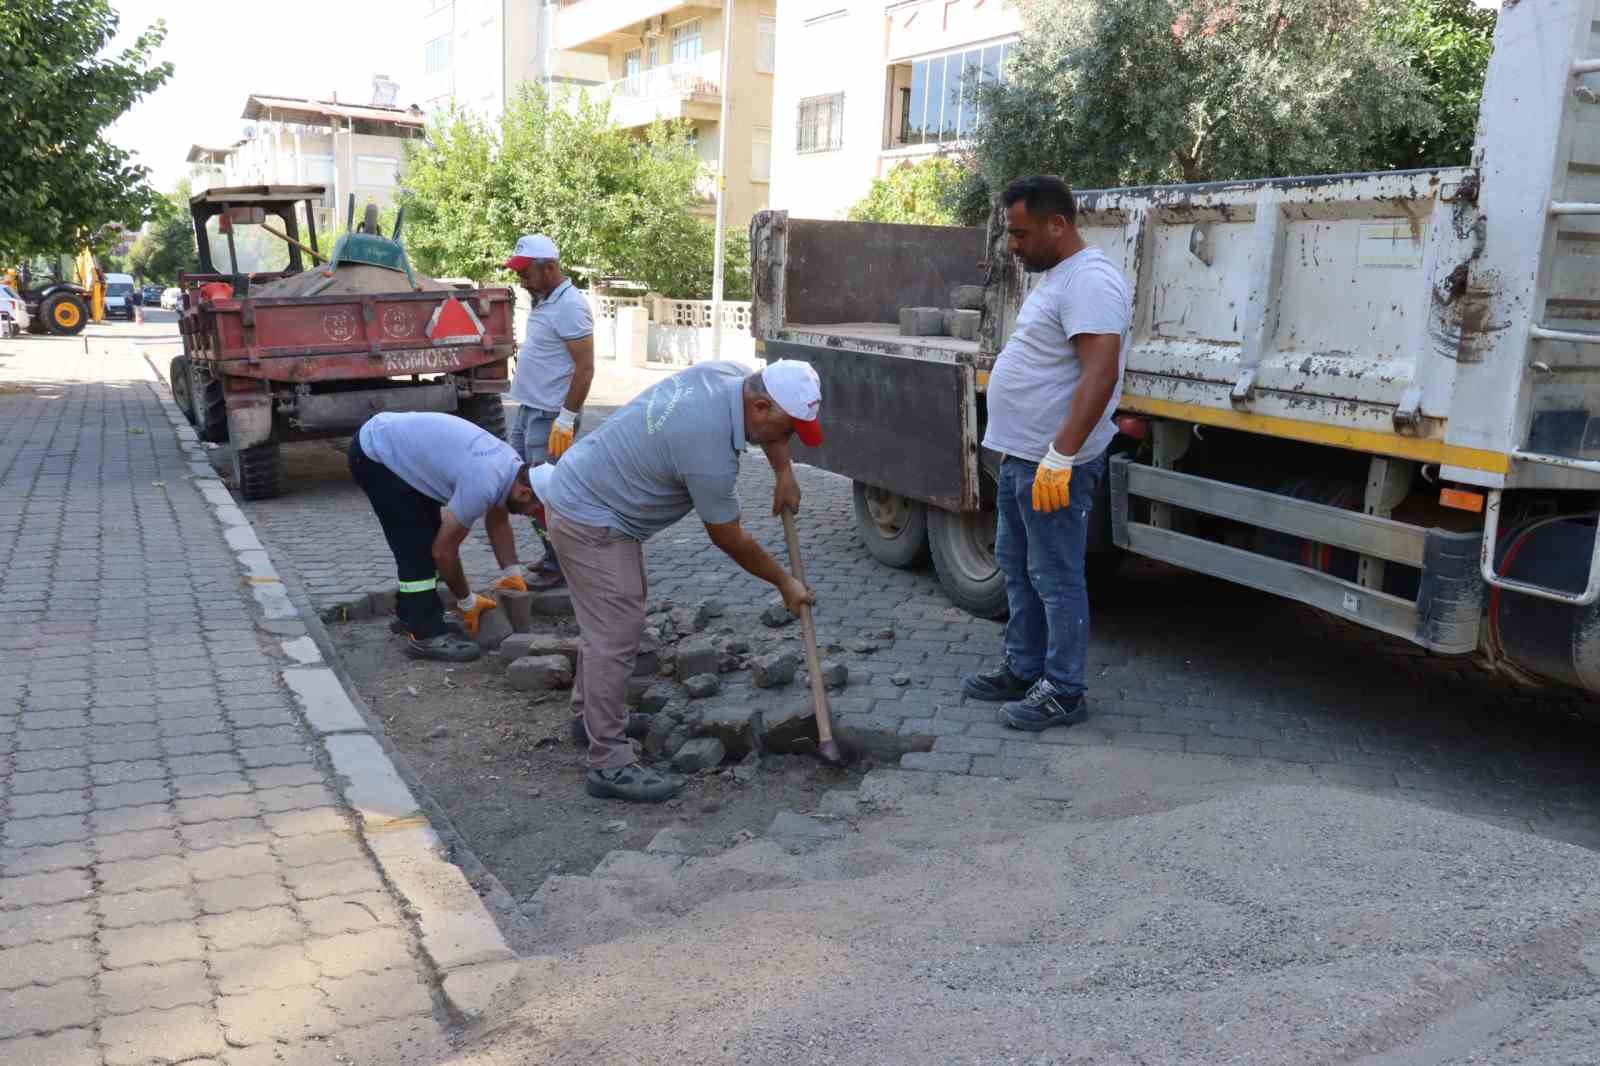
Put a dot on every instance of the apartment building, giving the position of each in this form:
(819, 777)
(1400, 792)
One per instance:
(348, 147)
(664, 60)
(477, 53)
(866, 85)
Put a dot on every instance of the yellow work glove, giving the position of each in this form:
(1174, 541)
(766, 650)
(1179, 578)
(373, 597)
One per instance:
(1052, 481)
(512, 579)
(472, 609)
(561, 434)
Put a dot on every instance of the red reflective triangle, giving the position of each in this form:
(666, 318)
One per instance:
(454, 319)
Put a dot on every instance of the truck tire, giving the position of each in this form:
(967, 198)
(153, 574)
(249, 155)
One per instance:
(65, 314)
(210, 408)
(893, 527)
(963, 557)
(181, 383)
(255, 471)
(486, 412)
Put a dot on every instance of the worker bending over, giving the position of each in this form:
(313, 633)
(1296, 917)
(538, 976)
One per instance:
(674, 449)
(430, 477)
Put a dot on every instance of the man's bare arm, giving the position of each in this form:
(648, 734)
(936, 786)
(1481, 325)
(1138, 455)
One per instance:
(1097, 355)
(447, 555)
(582, 353)
(737, 544)
(497, 524)
(786, 487)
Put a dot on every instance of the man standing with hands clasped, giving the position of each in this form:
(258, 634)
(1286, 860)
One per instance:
(555, 368)
(1050, 399)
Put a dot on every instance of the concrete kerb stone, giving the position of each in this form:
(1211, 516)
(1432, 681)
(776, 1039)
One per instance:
(322, 698)
(373, 786)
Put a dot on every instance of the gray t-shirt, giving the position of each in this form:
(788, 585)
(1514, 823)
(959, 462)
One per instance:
(544, 366)
(1037, 372)
(445, 458)
(675, 448)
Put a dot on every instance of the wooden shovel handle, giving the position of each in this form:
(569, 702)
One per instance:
(819, 692)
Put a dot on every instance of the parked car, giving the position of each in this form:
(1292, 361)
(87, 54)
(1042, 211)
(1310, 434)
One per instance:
(120, 296)
(170, 298)
(150, 296)
(13, 312)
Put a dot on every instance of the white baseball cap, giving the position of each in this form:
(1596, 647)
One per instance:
(793, 386)
(531, 246)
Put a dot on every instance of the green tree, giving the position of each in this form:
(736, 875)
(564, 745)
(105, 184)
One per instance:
(919, 193)
(1448, 43)
(166, 246)
(1159, 91)
(60, 175)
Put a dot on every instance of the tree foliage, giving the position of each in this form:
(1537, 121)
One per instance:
(1160, 91)
(62, 179)
(166, 246)
(919, 193)
(1448, 43)
(616, 204)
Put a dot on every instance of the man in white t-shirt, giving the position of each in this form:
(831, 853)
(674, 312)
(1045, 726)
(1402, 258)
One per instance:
(555, 368)
(1050, 399)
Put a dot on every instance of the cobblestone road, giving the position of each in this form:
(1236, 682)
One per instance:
(180, 878)
(1179, 663)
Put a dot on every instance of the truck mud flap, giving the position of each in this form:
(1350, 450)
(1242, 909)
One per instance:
(349, 410)
(1445, 617)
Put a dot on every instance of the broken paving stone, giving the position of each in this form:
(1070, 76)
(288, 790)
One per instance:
(862, 645)
(776, 616)
(835, 674)
(493, 628)
(770, 671)
(712, 606)
(659, 607)
(656, 697)
(638, 726)
(736, 646)
(647, 664)
(747, 769)
(655, 738)
(438, 732)
(547, 644)
(697, 656)
(900, 680)
(696, 755)
(727, 664)
(675, 741)
(789, 729)
(735, 726)
(637, 687)
(516, 646)
(688, 620)
(673, 840)
(702, 685)
(540, 673)
(886, 633)
(552, 603)
(797, 832)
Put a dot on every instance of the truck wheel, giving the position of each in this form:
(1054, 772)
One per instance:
(255, 471)
(486, 412)
(210, 408)
(65, 314)
(894, 527)
(181, 385)
(963, 557)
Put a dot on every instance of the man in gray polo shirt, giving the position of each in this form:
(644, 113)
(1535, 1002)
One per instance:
(555, 368)
(674, 449)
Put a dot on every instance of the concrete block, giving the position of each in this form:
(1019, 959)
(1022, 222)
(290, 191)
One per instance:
(789, 729)
(967, 297)
(835, 674)
(323, 700)
(546, 645)
(921, 322)
(476, 991)
(518, 607)
(555, 603)
(493, 627)
(702, 753)
(656, 697)
(515, 647)
(540, 673)
(637, 687)
(372, 785)
(963, 324)
(456, 927)
(647, 664)
(770, 671)
(698, 656)
(735, 725)
(702, 685)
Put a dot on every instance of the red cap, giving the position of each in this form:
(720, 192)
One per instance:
(810, 433)
(518, 263)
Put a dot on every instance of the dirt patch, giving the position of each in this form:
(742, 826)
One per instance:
(503, 766)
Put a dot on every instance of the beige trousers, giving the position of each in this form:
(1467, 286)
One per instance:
(605, 576)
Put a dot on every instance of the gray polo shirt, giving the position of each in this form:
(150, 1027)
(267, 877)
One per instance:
(544, 366)
(445, 458)
(674, 449)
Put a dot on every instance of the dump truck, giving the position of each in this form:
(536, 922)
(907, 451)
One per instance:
(1375, 394)
(280, 346)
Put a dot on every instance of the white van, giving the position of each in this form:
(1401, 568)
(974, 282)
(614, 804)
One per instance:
(120, 296)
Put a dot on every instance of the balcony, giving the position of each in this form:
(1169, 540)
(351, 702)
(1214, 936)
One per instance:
(687, 90)
(586, 23)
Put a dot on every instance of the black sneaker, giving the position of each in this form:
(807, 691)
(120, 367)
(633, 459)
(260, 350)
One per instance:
(997, 685)
(1043, 707)
(445, 648)
(633, 782)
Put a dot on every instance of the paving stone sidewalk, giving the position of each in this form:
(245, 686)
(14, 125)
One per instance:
(189, 862)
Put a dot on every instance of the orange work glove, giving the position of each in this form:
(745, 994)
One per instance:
(512, 579)
(1052, 482)
(561, 434)
(472, 615)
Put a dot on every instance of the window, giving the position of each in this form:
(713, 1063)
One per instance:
(821, 124)
(376, 169)
(937, 98)
(766, 44)
(686, 42)
(761, 153)
(632, 63)
(436, 56)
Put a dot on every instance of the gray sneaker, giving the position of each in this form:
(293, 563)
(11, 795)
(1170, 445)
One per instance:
(633, 782)
(1044, 707)
(444, 648)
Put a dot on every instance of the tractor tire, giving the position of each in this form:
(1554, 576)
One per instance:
(485, 412)
(210, 408)
(182, 385)
(65, 314)
(255, 471)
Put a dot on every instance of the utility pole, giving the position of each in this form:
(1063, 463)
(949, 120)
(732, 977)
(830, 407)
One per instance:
(722, 184)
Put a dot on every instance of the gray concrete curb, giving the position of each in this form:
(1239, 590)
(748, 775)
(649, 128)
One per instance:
(456, 931)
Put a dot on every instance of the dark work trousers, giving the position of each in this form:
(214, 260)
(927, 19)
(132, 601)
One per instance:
(410, 523)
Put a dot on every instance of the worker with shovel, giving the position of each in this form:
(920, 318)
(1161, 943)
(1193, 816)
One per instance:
(430, 477)
(674, 449)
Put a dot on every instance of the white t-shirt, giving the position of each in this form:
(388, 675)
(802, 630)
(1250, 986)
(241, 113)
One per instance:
(1037, 372)
(544, 366)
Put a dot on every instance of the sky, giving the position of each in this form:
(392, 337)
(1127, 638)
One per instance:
(225, 50)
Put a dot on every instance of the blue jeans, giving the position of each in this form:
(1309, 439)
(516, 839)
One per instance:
(530, 438)
(1041, 556)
